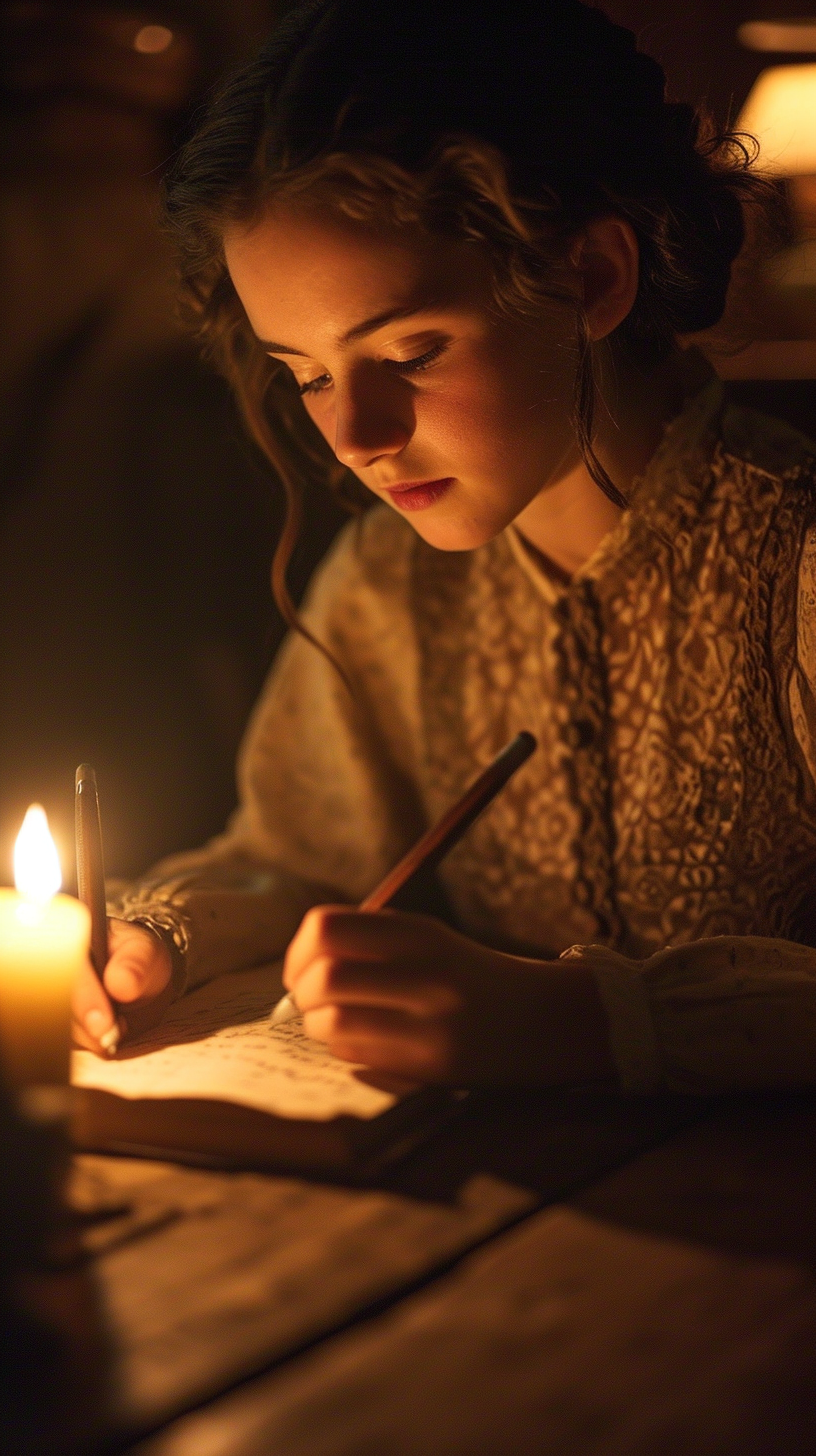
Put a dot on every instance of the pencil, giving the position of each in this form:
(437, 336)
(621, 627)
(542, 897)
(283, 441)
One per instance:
(435, 844)
(91, 879)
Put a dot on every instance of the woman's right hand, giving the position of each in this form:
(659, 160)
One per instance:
(137, 976)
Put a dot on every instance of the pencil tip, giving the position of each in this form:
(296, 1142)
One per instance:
(285, 1010)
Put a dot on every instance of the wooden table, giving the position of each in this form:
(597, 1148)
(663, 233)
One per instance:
(573, 1273)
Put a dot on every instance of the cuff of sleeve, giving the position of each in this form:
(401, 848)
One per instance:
(631, 1030)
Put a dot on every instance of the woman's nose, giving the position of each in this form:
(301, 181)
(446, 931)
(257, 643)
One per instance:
(374, 417)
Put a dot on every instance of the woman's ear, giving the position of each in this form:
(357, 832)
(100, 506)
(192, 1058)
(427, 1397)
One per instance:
(606, 259)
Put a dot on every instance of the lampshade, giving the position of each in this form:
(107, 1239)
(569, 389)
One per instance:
(779, 35)
(781, 113)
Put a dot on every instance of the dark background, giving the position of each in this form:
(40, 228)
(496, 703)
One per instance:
(136, 621)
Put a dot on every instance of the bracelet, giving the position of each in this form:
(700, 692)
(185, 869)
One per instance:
(172, 935)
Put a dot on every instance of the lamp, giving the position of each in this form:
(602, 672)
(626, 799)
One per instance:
(780, 113)
(779, 35)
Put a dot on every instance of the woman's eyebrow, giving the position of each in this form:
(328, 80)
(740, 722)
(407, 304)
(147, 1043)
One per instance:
(369, 326)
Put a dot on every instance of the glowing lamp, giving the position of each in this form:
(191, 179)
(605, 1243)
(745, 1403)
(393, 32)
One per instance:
(781, 113)
(44, 939)
(152, 40)
(779, 35)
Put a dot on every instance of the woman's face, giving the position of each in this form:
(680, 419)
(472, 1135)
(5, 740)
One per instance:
(447, 409)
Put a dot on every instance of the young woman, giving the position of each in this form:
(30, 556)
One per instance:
(448, 254)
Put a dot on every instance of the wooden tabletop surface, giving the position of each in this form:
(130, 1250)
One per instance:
(571, 1273)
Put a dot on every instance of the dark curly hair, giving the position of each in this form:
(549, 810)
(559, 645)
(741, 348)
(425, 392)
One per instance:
(513, 123)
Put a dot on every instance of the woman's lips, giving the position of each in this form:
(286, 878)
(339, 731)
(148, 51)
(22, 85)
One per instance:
(417, 495)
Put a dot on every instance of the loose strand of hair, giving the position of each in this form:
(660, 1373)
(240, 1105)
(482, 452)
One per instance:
(583, 413)
(263, 436)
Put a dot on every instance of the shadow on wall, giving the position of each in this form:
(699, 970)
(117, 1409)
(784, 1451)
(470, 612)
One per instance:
(136, 620)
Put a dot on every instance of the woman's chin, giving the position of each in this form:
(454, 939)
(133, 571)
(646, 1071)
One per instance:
(445, 539)
(449, 530)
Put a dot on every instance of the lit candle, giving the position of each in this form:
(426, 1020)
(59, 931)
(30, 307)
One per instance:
(44, 939)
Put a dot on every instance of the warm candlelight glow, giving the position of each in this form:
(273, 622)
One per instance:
(44, 938)
(37, 873)
(151, 40)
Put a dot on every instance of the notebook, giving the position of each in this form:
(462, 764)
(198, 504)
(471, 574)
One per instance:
(217, 1085)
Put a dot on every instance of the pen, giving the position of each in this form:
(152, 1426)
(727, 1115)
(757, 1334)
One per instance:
(91, 880)
(434, 845)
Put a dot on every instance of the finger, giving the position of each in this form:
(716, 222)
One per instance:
(147, 1012)
(93, 1016)
(139, 966)
(307, 942)
(384, 1040)
(400, 986)
(335, 930)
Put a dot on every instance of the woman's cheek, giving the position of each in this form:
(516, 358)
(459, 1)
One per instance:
(322, 415)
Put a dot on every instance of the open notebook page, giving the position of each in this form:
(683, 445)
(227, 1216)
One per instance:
(218, 1043)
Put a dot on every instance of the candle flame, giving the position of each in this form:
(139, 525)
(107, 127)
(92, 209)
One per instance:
(37, 873)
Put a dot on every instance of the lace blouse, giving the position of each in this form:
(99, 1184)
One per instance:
(664, 831)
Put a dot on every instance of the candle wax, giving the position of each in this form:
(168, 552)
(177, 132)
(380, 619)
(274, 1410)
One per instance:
(42, 949)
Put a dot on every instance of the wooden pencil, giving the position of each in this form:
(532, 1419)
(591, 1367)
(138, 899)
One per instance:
(435, 844)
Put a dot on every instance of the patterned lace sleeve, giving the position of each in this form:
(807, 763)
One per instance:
(218, 909)
(728, 1014)
(327, 787)
(802, 690)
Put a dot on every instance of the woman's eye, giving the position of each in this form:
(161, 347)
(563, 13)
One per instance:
(419, 362)
(314, 386)
(400, 366)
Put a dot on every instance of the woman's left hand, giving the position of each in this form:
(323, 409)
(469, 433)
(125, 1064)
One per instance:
(406, 995)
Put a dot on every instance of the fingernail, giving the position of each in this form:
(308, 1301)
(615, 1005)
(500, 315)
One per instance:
(109, 1041)
(99, 1027)
(96, 1024)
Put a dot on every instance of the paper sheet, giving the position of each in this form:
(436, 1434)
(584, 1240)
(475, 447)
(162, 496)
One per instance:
(218, 1043)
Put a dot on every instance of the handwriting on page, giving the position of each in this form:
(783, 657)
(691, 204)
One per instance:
(218, 1043)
